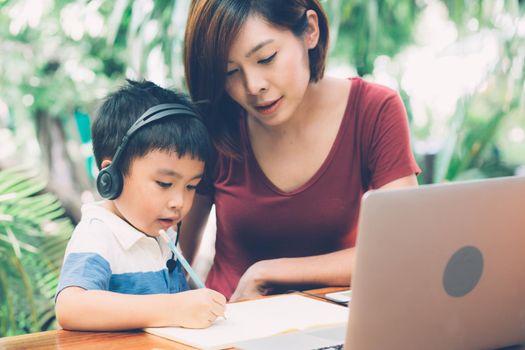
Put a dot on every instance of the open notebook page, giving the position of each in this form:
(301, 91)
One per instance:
(258, 318)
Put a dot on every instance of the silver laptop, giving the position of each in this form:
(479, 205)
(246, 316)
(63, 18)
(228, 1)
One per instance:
(437, 267)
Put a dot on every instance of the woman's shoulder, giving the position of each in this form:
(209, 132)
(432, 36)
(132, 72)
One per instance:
(371, 91)
(358, 93)
(369, 100)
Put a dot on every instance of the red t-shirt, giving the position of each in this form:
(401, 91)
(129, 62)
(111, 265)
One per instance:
(256, 221)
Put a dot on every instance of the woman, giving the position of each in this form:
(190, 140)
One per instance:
(296, 150)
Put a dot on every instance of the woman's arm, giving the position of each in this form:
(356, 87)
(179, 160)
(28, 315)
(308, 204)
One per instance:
(193, 226)
(333, 269)
(407, 181)
(99, 310)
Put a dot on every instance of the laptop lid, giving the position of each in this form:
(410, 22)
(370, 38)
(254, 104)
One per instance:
(440, 267)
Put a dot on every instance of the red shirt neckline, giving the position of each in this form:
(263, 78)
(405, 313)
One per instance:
(245, 139)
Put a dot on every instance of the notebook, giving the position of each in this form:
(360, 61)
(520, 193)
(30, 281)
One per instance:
(257, 319)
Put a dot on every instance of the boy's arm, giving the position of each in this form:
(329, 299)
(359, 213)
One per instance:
(98, 310)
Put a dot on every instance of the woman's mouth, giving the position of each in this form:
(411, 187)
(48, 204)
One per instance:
(269, 108)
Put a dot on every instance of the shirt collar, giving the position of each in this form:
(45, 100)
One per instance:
(126, 234)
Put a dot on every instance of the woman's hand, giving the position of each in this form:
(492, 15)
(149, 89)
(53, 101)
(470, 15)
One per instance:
(252, 283)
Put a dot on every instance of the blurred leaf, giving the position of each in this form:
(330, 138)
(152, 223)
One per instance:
(115, 20)
(32, 245)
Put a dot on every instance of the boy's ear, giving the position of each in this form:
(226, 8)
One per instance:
(105, 163)
(311, 36)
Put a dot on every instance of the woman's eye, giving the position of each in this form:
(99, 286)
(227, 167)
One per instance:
(268, 59)
(231, 72)
(164, 184)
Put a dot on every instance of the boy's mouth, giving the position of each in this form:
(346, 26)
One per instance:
(166, 223)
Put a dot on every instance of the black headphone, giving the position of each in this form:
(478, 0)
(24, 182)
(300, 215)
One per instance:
(109, 179)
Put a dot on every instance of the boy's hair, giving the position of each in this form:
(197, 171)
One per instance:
(181, 134)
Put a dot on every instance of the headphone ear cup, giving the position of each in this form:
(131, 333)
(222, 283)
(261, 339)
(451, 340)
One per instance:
(109, 183)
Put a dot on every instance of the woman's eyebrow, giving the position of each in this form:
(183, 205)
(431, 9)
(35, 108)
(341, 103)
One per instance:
(257, 47)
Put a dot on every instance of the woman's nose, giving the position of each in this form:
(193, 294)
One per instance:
(255, 83)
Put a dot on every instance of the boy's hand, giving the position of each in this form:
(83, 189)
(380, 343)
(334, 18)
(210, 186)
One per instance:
(198, 308)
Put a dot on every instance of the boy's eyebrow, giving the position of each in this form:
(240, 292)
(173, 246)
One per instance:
(173, 173)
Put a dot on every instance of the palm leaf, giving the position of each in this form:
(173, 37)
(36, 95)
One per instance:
(33, 236)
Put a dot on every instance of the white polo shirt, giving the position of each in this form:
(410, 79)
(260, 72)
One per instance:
(107, 253)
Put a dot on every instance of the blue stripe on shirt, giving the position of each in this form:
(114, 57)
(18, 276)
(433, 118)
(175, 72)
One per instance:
(85, 270)
(92, 272)
(152, 282)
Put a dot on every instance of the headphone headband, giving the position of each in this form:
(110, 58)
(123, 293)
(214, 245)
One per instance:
(109, 180)
(152, 114)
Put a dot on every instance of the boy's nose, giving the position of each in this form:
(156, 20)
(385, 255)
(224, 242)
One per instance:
(176, 201)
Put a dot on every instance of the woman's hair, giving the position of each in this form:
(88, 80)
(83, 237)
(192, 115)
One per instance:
(211, 28)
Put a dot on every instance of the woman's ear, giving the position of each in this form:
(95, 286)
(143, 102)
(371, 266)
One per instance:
(105, 163)
(311, 35)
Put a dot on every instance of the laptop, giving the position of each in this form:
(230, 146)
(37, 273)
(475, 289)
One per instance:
(437, 267)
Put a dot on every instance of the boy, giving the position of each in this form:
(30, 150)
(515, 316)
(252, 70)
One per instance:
(115, 273)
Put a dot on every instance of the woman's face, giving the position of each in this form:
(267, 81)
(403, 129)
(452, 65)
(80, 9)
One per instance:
(268, 70)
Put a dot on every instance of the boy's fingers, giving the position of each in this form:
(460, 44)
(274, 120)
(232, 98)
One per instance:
(219, 298)
(219, 305)
(217, 310)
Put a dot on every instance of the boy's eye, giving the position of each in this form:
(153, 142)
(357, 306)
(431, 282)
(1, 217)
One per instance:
(163, 184)
(191, 187)
(267, 59)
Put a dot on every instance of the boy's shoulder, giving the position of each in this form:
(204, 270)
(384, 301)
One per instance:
(92, 233)
(99, 230)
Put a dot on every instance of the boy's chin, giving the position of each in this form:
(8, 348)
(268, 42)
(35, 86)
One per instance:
(152, 234)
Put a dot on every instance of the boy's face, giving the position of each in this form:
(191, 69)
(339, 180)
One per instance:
(158, 191)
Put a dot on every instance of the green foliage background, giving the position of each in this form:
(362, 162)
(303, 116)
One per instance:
(52, 76)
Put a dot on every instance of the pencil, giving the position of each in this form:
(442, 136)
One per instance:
(181, 258)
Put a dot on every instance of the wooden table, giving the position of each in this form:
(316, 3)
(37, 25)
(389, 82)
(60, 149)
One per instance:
(65, 340)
